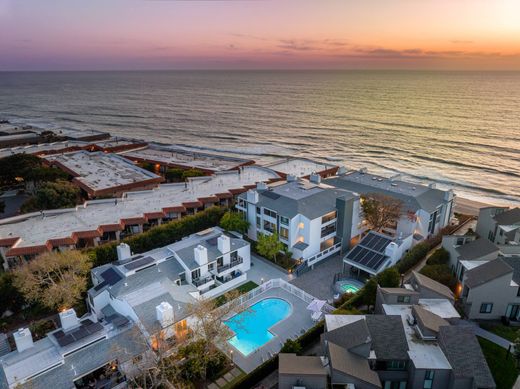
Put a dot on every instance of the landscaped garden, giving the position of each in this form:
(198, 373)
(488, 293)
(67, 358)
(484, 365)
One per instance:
(502, 364)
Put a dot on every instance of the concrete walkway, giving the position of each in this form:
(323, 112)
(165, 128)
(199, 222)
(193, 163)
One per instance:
(478, 331)
(262, 269)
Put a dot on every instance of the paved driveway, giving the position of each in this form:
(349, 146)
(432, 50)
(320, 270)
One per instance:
(318, 281)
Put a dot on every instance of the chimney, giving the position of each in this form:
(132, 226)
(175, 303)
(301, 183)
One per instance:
(252, 196)
(123, 252)
(261, 186)
(291, 178)
(342, 171)
(315, 178)
(224, 244)
(164, 314)
(68, 319)
(402, 280)
(23, 339)
(201, 255)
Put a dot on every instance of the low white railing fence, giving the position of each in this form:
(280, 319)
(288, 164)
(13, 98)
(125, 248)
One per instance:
(323, 254)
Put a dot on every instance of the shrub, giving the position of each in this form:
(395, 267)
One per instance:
(159, 236)
(291, 346)
(440, 273)
(413, 257)
(440, 257)
(234, 221)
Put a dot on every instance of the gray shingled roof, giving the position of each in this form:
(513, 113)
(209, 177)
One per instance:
(301, 365)
(486, 272)
(433, 285)
(476, 249)
(351, 364)
(350, 335)
(291, 199)
(463, 351)
(511, 216)
(388, 337)
(413, 196)
(514, 262)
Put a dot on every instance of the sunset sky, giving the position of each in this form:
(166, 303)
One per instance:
(253, 34)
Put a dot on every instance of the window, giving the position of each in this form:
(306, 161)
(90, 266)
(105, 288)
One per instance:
(268, 226)
(258, 221)
(220, 261)
(284, 220)
(211, 266)
(395, 385)
(460, 241)
(486, 307)
(270, 213)
(328, 217)
(428, 379)
(326, 231)
(403, 299)
(195, 274)
(284, 233)
(258, 210)
(518, 292)
(396, 365)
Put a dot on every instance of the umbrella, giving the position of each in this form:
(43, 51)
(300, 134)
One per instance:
(316, 305)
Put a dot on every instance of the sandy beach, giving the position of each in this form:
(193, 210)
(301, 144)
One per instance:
(469, 207)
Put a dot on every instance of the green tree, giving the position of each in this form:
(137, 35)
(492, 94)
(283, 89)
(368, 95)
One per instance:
(192, 173)
(2, 206)
(516, 348)
(380, 210)
(11, 299)
(389, 278)
(440, 273)
(174, 175)
(234, 221)
(291, 346)
(440, 256)
(14, 168)
(269, 246)
(53, 195)
(55, 280)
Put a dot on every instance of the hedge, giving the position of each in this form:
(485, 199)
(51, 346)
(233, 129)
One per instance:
(440, 256)
(413, 257)
(159, 236)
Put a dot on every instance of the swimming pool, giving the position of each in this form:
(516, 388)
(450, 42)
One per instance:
(251, 327)
(348, 288)
(348, 285)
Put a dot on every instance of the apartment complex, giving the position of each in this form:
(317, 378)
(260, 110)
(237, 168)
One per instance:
(25, 236)
(100, 174)
(313, 220)
(135, 303)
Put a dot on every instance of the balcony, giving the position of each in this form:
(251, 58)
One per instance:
(201, 281)
(230, 265)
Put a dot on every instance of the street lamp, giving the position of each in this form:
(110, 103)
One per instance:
(231, 354)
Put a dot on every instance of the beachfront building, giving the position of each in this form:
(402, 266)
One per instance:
(425, 209)
(302, 168)
(24, 237)
(155, 288)
(501, 225)
(164, 157)
(100, 174)
(311, 219)
(83, 353)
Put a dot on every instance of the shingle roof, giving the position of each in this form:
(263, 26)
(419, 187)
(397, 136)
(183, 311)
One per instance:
(514, 262)
(463, 351)
(352, 365)
(350, 335)
(476, 249)
(511, 216)
(304, 365)
(388, 337)
(433, 285)
(428, 319)
(486, 272)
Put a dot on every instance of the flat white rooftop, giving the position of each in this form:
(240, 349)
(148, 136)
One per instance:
(171, 156)
(36, 229)
(299, 167)
(440, 307)
(41, 148)
(336, 321)
(101, 171)
(424, 354)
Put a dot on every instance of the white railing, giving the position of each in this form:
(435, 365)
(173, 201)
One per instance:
(279, 283)
(323, 254)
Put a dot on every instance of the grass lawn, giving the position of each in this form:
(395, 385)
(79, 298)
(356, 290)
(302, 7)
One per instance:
(244, 288)
(504, 370)
(506, 332)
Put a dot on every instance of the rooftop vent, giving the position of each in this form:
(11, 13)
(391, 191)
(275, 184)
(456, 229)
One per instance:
(261, 186)
(201, 255)
(123, 252)
(164, 314)
(68, 319)
(363, 170)
(342, 171)
(315, 178)
(224, 244)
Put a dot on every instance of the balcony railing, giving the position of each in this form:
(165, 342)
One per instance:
(201, 281)
(233, 263)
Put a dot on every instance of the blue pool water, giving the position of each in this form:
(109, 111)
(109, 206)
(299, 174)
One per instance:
(251, 327)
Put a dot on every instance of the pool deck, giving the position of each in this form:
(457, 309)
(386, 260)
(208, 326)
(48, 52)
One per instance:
(298, 322)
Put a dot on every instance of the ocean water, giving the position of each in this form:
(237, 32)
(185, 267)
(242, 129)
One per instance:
(460, 129)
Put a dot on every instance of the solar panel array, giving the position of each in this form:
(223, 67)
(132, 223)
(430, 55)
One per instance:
(370, 251)
(111, 276)
(139, 263)
(271, 195)
(86, 328)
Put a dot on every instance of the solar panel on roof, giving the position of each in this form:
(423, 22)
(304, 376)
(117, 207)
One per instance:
(111, 276)
(94, 327)
(139, 263)
(100, 286)
(80, 333)
(271, 195)
(65, 340)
